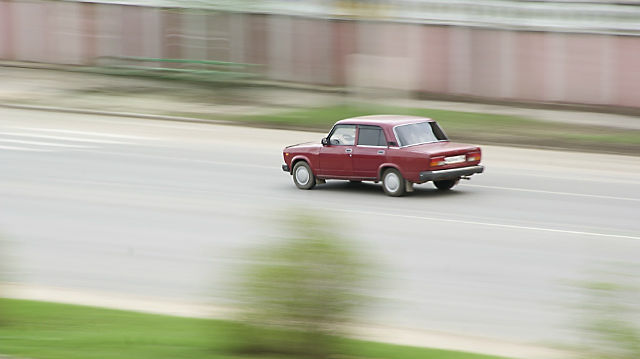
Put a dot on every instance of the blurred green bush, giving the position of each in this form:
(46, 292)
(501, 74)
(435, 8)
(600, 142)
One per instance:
(611, 322)
(305, 286)
(3, 277)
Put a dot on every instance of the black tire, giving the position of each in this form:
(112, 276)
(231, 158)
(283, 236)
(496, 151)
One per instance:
(393, 183)
(445, 185)
(301, 180)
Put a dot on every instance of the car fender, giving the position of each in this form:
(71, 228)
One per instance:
(297, 158)
(387, 165)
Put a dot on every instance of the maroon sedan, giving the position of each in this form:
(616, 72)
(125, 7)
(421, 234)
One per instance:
(397, 150)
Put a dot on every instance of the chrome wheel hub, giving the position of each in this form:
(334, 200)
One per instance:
(391, 182)
(302, 175)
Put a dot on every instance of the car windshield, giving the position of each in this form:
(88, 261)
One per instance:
(417, 133)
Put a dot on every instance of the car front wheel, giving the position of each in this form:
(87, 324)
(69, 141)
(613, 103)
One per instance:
(445, 185)
(393, 183)
(303, 176)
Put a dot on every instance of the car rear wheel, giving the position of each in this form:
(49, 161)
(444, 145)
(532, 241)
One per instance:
(393, 183)
(303, 176)
(445, 185)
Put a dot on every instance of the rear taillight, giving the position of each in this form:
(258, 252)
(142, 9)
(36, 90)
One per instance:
(473, 156)
(437, 161)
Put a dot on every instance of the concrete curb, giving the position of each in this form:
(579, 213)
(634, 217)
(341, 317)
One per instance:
(113, 114)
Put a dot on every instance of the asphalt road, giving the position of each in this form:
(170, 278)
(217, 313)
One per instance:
(169, 209)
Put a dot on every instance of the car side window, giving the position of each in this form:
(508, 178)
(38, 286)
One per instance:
(371, 136)
(343, 135)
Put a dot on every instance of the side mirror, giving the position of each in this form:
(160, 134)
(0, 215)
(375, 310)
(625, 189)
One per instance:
(392, 144)
(325, 141)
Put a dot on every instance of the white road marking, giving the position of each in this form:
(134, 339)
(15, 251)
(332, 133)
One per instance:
(592, 177)
(98, 134)
(40, 143)
(489, 224)
(183, 159)
(13, 148)
(64, 138)
(344, 210)
(555, 192)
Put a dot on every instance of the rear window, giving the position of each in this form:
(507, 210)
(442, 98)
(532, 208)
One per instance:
(371, 136)
(418, 133)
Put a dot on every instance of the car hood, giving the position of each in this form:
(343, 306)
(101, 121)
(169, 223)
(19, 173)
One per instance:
(304, 145)
(444, 148)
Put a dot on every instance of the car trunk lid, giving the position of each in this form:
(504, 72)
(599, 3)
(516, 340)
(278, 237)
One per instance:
(444, 148)
(445, 154)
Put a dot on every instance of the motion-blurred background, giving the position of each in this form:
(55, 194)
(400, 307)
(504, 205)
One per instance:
(581, 52)
(122, 185)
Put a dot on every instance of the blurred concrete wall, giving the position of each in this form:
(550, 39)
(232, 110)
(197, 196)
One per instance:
(454, 60)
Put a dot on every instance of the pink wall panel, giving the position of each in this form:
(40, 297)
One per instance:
(109, 29)
(68, 32)
(280, 38)
(132, 43)
(322, 52)
(89, 28)
(583, 68)
(218, 36)
(151, 32)
(530, 58)
(256, 39)
(172, 36)
(627, 71)
(193, 27)
(383, 39)
(7, 33)
(460, 60)
(30, 29)
(49, 17)
(237, 34)
(312, 49)
(344, 44)
(486, 63)
(51, 32)
(435, 68)
(367, 38)
(395, 39)
(529, 66)
(302, 49)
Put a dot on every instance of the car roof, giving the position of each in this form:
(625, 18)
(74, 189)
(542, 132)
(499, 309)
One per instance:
(383, 120)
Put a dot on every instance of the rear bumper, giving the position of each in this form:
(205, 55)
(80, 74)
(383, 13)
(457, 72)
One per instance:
(450, 173)
(285, 168)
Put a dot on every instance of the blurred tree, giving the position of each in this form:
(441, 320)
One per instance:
(304, 289)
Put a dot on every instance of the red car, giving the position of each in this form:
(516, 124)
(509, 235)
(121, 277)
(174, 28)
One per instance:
(397, 150)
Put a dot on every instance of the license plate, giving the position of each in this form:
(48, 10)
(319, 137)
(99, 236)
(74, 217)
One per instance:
(454, 159)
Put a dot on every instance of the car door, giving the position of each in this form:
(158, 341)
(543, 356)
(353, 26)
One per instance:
(370, 151)
(335, 157)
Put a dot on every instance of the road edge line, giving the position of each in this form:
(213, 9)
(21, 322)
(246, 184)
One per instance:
(113, 113)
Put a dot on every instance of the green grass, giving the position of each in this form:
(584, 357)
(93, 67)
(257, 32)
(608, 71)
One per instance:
(41, 330)
(464, 126)
(324, 117)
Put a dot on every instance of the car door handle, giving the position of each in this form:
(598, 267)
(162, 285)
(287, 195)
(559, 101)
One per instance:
(381, 152)
(348, 150)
